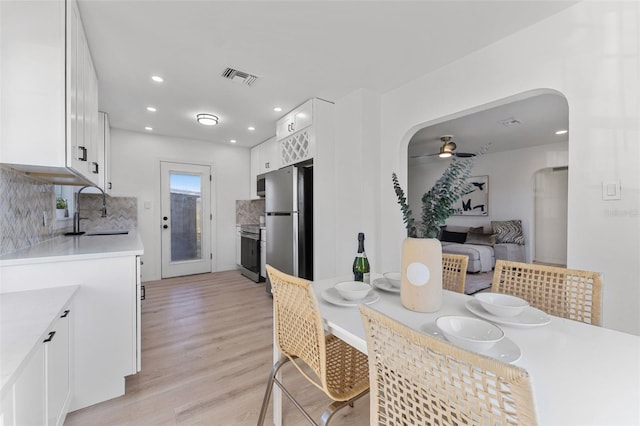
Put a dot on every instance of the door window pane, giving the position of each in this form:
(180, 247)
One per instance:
(186, 217)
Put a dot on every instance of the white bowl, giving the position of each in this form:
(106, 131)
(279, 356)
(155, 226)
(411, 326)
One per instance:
(470, 333)
(353, 290)
(502, 305)
(393, 278)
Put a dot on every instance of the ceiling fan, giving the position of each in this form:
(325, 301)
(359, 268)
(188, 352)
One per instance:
(448, 149)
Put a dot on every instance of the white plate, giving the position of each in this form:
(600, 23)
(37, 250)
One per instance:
(530, 317)
(384, 284)
(505, 350)
(331, 295)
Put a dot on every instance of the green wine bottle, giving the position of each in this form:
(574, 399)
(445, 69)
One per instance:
(361, 263)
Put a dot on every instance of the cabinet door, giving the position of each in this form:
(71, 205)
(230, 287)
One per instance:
(6, 408)
(29, 391)
(255, 170)
(295, 121)
(58, 387)
(270, 155)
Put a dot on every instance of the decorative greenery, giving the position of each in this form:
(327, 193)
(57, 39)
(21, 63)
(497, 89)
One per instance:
(438, 202)
(61, 203)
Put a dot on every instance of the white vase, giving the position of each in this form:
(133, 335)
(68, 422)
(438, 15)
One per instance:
(61, 213)
(421, 282)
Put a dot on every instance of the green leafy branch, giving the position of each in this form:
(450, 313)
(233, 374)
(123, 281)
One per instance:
(438, 203)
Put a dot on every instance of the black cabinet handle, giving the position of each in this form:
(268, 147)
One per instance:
(83, 153)
(165, 218)
(165, 226)
(64, 315)
(109, 186)
(48, 339)
(95, 167)
(143, 293)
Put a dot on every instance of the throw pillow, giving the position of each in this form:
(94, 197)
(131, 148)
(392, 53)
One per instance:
(508, 231)
(453, 237)
(480, 239)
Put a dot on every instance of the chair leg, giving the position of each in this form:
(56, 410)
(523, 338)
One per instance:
(267, 394)
(337, 405)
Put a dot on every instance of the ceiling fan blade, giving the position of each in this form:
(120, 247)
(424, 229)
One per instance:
(464, 154)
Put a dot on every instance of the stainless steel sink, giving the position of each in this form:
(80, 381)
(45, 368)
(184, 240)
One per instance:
(96, 233)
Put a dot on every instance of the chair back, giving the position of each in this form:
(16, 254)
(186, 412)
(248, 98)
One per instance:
(298, 327)
(566, 293)
(418, 379)
(454, 271)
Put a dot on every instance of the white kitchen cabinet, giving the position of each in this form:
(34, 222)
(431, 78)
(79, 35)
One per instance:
(57, 369)
(49, 92)
(36, 356)
(106, 312)
(296, 120)
(264, 158)
(104, 152)
(297, 132)
(29, 391)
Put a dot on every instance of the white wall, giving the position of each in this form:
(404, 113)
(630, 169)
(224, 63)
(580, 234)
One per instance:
(511, 185)
(136, 173)
(355, 198)
(589, 53)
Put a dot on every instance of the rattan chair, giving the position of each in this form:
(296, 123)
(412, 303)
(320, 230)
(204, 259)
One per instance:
(418, 379)
(566, 293)
(341, 371)
(454, 271)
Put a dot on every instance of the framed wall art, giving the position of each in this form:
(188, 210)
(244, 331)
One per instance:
(476, 202)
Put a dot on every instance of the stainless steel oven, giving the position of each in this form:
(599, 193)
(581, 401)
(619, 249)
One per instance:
(250, 251)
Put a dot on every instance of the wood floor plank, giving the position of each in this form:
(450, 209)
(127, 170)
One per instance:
(206, 357)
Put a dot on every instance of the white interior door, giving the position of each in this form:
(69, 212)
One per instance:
(186, 219)
(551, 203)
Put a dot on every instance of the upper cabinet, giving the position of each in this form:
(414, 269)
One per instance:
(265, 158)
(49, 111)
(297, 132)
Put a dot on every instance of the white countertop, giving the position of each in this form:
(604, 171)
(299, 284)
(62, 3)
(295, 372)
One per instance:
(25, 317)
(76, 247)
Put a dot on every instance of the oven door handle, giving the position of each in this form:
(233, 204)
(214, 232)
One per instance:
(250, 235)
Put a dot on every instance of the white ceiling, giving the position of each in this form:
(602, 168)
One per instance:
(538, 118)
(298, 49)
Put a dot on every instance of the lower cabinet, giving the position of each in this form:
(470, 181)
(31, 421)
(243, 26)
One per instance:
(238, 246)
(42, 392)
(106, 335)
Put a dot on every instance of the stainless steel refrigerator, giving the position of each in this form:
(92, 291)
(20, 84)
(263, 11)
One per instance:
(289, 220)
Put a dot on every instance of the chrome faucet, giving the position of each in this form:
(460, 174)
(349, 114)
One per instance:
(76, 215)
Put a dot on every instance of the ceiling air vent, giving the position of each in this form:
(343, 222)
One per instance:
(239, 76)
(511, 121)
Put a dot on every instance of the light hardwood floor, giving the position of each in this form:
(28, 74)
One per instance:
(206, 357)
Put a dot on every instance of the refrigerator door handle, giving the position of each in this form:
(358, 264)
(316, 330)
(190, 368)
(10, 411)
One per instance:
(296, 264)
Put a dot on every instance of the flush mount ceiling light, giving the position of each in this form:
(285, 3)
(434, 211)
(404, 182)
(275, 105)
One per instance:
(207, 119)
(251, 128)
(277, 109)
(151, 109)
(157, 78)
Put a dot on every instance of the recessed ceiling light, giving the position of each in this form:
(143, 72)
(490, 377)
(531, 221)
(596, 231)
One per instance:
(207, 119)
(561, 132)
(148, 128)
(233, 141)
(277, 109)
(152, 109)
(251, 128)
(157, 78)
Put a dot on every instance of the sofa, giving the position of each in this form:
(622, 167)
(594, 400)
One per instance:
(485, 244)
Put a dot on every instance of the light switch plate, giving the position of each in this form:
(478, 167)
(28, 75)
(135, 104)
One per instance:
(611, 190)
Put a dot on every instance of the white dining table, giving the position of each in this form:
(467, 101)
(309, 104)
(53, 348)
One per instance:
(581, 374)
